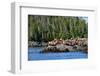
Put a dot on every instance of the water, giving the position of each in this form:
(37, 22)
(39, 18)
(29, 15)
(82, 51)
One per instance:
(34, 54)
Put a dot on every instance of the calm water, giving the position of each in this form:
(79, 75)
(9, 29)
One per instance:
(33, 54)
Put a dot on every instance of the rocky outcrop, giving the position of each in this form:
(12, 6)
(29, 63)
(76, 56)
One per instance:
(59, 45)
(57, 48)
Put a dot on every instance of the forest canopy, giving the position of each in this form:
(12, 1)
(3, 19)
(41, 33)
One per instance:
(47, 28)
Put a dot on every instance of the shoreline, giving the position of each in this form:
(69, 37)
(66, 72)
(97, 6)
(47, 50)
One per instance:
(60, 45)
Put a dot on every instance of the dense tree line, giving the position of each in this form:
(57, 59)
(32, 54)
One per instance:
(47, 28)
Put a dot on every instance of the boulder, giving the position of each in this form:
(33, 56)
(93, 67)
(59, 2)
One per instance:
(44, 44)
(56, 42)
(77, 47)
(70, 48)
(62, 47)
(49, 49)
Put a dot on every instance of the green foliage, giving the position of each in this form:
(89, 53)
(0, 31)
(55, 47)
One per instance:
(47, 28)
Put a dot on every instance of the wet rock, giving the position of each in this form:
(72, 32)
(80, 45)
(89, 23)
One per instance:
(77, 47)
(70, 48)
(57, 48)
(49, 49)
(62, 47)
(44, 44)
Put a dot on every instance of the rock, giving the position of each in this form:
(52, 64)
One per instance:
(80, 48)
(57, 48)
(70, 48)
(62, 47)
(67, 43)
(77, 47)
(32, 43)
(49, 49)
(39, 44)
(85, 43)
(44, 44)
(56, 42)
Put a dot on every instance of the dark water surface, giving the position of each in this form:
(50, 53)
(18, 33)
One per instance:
(34, 54)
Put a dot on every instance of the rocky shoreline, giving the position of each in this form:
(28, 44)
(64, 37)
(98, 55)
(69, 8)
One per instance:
(60, 45)
(70, 45)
